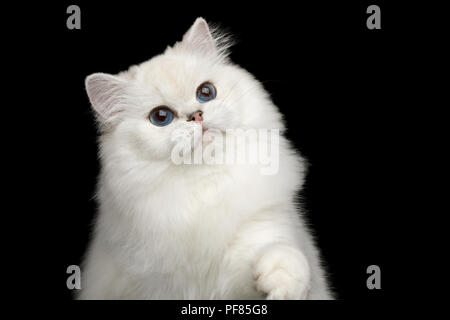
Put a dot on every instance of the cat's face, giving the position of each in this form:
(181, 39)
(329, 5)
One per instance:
(190, 86)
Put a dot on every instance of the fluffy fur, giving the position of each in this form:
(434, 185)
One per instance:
(167, 231)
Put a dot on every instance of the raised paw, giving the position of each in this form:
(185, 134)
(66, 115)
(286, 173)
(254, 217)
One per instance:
(282, 273)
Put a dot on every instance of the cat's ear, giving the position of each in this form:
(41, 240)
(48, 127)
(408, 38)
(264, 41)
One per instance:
(199, 38)
(106, 93)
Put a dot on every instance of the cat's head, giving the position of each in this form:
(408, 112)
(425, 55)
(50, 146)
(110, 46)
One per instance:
(190, 85)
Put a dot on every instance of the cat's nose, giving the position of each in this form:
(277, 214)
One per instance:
(196, 116)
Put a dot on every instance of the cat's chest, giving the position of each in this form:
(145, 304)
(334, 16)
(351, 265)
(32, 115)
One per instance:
(186, 196)
(186, 221)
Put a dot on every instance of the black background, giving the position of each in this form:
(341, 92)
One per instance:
(339, 85)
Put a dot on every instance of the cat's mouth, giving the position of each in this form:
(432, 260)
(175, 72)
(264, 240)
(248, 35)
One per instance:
(208, 130)
(212, 129)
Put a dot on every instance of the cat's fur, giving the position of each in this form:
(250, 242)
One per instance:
(167, 231)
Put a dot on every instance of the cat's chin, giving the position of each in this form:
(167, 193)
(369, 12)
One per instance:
(211, 129)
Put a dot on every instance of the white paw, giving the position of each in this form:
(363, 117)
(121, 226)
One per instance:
(282, 273)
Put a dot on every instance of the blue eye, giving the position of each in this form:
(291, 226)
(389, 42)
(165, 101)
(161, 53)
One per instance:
(206, 92)
(161, 116)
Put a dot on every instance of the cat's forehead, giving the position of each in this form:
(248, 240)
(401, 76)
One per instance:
(175, 77)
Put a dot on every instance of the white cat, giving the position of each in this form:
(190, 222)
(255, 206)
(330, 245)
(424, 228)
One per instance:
(169, 231)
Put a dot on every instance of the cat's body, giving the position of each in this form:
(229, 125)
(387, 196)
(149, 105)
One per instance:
(167, 231)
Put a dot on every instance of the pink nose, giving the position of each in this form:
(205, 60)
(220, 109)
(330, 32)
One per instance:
(197, 116)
